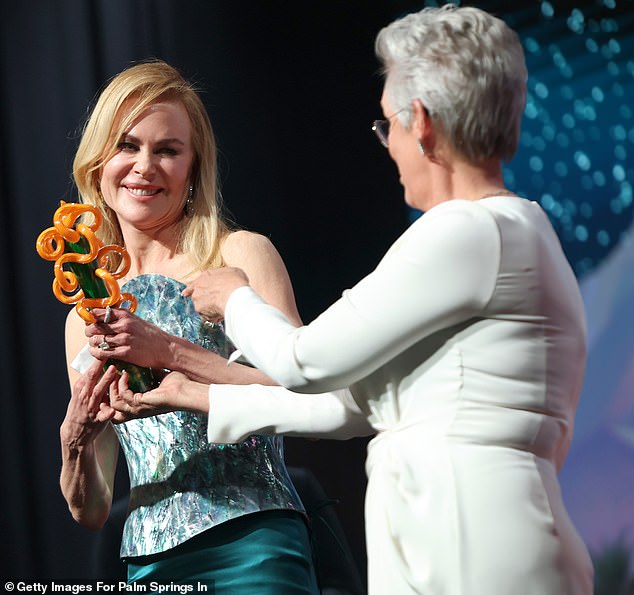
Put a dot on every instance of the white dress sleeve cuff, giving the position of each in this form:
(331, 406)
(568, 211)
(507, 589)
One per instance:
(237, 411)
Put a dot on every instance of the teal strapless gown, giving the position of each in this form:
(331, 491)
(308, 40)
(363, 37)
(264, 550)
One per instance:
(226, 516)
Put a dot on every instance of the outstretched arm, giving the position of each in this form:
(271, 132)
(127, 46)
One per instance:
(442, 271)
(239, 411)
(134, 340)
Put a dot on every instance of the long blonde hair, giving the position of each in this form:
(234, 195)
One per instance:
(126, 96)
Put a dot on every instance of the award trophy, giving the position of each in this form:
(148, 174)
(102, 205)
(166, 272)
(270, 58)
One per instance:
(82, 276)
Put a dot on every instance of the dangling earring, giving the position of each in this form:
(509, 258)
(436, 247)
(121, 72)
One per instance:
(421, 149)
(189, 202)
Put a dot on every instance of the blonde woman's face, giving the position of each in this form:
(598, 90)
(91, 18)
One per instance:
(147, 179)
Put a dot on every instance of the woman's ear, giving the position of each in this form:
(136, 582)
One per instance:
(421, 121)
(424, 129)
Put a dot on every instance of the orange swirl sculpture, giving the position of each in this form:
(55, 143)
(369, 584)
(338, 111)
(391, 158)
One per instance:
(85, 249)
(81, 276)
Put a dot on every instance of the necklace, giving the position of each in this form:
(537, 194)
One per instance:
(501, 192)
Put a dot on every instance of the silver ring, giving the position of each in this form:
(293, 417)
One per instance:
(106, 318)
(104, 345)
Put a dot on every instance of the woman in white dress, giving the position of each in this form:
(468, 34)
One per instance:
(464, 350)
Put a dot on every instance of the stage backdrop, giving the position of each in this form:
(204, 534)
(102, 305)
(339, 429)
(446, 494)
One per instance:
(292, 91)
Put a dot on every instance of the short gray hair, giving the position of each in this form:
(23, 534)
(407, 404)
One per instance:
(467, 67)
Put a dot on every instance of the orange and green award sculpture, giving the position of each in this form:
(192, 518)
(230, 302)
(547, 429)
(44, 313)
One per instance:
(82, 276)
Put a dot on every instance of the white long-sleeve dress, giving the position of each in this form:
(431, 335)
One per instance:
(464, 351)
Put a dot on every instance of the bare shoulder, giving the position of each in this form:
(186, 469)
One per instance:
(256, 255)
(243, 246)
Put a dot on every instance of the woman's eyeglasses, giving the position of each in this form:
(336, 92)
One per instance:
(382, 127)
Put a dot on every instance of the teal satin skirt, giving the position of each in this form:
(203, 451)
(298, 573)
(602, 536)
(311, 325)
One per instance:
(264, 553)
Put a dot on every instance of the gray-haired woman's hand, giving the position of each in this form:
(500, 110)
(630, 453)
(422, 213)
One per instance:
(211, 290)
(176, 392)
(128, 338)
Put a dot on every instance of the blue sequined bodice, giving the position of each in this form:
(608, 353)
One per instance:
(180, 484)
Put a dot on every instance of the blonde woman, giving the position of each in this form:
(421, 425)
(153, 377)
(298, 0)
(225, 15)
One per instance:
(225, 516)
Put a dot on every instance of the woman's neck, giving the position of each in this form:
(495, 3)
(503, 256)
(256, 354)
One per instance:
(469, 181)
(157, 253)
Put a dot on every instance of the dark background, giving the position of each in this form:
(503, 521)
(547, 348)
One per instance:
(291, 89)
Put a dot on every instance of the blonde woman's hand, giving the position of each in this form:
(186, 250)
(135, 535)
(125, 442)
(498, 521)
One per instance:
(88, 411)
